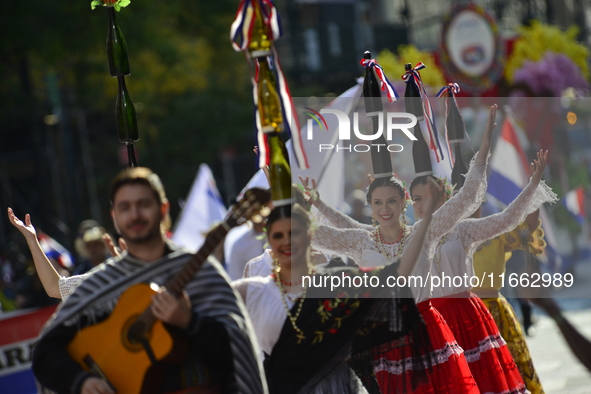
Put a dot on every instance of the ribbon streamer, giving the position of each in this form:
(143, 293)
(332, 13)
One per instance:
(240, 34)
(288, 112)
(381, 76)
(241, 30)
(451, 90)
(413, 76)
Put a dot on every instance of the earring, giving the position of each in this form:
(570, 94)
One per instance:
(374, 222)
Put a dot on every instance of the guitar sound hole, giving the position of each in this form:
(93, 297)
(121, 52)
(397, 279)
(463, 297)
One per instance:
(133, 333)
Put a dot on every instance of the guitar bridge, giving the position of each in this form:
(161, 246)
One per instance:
(97, 371)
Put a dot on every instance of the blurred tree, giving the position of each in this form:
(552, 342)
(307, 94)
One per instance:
(192, 94)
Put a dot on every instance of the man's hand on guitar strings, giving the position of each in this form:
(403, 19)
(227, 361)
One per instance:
(171, 310)
(94, 385)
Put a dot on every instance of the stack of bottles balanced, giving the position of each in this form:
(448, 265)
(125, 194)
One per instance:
(420, 149)
(119, 68)
(270, 113)
(372, 95)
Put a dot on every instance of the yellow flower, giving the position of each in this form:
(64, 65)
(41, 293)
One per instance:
(538, 39)
(394, 65)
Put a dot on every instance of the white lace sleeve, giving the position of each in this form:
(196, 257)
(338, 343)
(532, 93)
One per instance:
(475, 231)
(338, 219)
(346, 241)
(67, 284)
(459, 207)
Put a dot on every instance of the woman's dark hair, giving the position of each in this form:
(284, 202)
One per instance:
(424, 180)
(294, 211)
(385, 181)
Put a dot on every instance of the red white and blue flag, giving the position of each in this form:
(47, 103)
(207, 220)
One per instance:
(54, 250)
(509, 169)
(574, 202)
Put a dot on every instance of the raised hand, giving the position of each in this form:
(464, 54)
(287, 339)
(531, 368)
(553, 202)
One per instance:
(538, 166)
(111, 245)
(265, 168)
(434, 197)
(311, 191)
(25, 228)
(487, 135)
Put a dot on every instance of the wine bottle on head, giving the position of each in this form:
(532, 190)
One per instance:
(420, 150)
(116, 47)
(260, 42)
(374, 109)
(271, 120)
(126, 118)
(459, 169)
(269, 102)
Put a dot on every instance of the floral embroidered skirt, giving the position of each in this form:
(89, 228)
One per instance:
(485, 350)
(510, 330)
(449, 372)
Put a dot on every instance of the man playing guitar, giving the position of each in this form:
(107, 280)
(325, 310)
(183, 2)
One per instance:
(95, 342)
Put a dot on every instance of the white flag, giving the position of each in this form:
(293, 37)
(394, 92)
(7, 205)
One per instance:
(203, 208)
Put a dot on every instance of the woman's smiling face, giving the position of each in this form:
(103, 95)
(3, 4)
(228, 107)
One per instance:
(387, 205)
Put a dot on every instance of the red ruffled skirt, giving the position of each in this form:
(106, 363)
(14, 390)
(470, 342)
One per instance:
(485, 350)
(449, 372)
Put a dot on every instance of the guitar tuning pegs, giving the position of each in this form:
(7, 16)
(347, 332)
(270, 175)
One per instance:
(257, 218)
(265, 211)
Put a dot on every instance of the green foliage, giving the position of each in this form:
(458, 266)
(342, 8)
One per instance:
(393, 65)
(192, 92)
(107, 3)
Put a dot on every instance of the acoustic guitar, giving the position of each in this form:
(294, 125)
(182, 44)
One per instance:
(129, 348)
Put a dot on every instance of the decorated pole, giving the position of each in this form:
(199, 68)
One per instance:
(374, 83)
(256, 26)
(119, 68)
(455, 130)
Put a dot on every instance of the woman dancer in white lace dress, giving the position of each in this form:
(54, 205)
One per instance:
(374, 247)
(473, 326)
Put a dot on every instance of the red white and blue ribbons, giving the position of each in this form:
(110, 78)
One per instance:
(241, 33)
(451, 90)
(288, 111)
(241, 30)
(381, 76)
(413, 76)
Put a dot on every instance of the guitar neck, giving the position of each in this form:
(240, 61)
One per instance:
(176, 284)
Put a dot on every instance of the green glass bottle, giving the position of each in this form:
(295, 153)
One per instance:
(269, 103)
(271, 119)
(279, 171)
(260, 42)
(116, 47)
(126, 118)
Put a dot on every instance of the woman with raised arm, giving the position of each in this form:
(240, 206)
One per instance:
(307, 332)
(378, 246)
(55, 285)
(471, 323)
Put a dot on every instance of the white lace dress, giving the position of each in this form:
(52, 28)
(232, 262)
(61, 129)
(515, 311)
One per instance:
(259, 266)
(453, 258)
(67, 284)
(356, 240)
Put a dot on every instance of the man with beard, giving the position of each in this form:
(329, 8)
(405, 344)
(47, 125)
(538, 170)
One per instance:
(221, 357)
